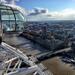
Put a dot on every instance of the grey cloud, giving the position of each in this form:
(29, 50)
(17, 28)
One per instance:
(38, 11)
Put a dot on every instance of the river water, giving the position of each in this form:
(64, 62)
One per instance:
(55, 65)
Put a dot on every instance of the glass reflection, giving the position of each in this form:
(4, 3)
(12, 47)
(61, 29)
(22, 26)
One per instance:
(11, 19)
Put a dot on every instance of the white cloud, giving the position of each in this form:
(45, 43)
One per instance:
(12, 1)
(2, 1)
(73, 0)
(9, 1)
(66, 14)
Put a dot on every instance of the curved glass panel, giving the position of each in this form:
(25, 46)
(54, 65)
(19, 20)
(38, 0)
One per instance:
(18, 16)
(11, 19)
(3, 7)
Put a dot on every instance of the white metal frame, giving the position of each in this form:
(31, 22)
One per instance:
(34, 68)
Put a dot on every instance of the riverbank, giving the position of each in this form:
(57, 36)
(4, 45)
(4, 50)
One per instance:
(57, 67)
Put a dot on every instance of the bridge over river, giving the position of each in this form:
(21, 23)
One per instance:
(53, 64)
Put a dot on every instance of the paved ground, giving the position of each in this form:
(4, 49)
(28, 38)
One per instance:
(24, 45)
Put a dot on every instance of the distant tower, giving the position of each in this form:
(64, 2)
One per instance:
(66, 39)
(44, 32)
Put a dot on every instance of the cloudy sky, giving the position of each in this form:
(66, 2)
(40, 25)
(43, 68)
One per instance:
(48, 9)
